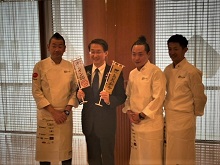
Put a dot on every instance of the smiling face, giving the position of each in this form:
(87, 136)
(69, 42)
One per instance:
(97, 54)
(176, 52)
(56, 49)
(139, 56)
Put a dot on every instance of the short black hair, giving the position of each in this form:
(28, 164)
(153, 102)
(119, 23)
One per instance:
(142, 41)
(179, 39)
(101, 42)
(58, 37)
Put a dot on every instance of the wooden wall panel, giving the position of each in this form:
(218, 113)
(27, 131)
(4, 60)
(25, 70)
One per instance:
(134, 18)
(120, 23)
(94, 23)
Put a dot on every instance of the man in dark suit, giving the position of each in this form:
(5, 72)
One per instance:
(99, 122)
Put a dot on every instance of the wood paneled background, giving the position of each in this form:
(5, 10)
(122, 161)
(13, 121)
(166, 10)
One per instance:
(120, 23)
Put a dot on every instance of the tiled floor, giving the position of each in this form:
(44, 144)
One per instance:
(19, 149)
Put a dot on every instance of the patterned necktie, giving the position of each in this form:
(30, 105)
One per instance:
(95, 83)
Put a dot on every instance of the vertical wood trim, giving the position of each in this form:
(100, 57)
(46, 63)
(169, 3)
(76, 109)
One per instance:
(43, 43)
(122, 145)
(45, 24)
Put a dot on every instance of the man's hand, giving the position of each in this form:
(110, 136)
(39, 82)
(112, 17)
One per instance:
(105, 96)
(80, 94)
(58, 116)
(133, 117)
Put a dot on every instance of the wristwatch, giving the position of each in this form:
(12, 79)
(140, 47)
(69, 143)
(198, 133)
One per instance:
(141, 117)
(66, 112)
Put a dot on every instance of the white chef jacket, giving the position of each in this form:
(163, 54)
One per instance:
(145, 93)
(53, 84)
(184, 101)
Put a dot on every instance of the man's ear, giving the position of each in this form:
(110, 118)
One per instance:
(149, 53)
(186, 49)
(106, 53)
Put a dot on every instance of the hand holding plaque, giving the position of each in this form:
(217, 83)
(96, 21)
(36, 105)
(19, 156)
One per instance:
(82, 79)
(112, 78)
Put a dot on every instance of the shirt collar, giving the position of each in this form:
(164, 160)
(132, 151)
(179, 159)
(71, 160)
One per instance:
(145, 65)
(54, 62)
(101, 68)
(180, 64)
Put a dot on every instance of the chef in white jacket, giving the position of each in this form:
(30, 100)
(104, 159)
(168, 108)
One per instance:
(185, 100)
(145, 96)
(54, 90)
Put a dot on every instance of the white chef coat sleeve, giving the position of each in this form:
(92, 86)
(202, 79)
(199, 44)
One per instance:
(37, 92)
(158, 95)
(198, 93)
(127, 101)
(73, 101)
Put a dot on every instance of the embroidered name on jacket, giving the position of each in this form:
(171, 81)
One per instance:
(181, 76)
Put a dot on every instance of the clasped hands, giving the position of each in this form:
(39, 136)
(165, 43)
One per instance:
(103, 95)
(133, 117)
(58, 116)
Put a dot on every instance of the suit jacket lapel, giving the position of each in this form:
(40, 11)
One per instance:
(89, 73)
(104, 77)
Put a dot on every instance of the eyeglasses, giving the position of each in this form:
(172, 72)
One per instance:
(98, 52)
